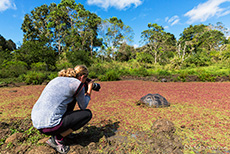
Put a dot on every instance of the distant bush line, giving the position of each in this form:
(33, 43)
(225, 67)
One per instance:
(111, 71)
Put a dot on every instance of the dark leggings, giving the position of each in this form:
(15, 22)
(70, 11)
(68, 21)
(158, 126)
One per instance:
(71, 120)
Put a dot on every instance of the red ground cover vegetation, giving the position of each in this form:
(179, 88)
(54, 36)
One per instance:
(200, 111)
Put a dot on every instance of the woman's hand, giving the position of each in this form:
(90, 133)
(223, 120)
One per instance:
(90, 87)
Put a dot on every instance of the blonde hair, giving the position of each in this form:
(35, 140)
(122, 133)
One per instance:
(69, 72)
(78, 70)
(81, 70)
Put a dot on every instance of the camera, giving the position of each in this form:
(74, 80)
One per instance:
(96, 86)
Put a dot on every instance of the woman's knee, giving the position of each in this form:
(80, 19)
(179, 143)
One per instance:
(89, 113)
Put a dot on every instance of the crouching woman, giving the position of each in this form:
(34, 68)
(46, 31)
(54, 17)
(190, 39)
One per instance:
(53, 113)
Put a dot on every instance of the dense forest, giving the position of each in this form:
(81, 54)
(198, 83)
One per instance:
(58, 36)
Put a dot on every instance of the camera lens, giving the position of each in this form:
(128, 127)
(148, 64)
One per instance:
(96, 86)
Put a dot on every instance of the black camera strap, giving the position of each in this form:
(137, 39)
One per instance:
(78, 89)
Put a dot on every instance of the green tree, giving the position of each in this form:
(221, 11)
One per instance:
(198, 59)
(125, 52)
(6, 45)
(212, 40)
(6, 48)
(84, 30)
(144, 57)
(189, 40)
(220, 27)
(59, 23)
(65, 27)
(199, 38)
(114, 33)
(158, 41)
(35, 24)
(78, 57)
(36, 51)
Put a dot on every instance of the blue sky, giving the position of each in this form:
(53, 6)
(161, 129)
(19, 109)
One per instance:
(173, 15)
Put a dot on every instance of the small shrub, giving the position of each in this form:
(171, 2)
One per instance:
(124, 71)
(4, 73)
(33, 77)
(2, 141)
(13, 69)
(63, 65)
(10, 80)
(34, 135)
(109, 76)
(40, 66)
(77, 57)
(144, 57)
(93, 74)
(198, 59)
(164, 73)
(206, 76)
(52, 75)
(141, 71)
(133, 63)
(182, 76)
(97, 69)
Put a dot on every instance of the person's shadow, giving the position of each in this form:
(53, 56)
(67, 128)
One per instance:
(93, 134)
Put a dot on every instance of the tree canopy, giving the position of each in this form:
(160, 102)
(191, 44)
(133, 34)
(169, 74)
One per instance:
(6, 48)
(66, 26)
(67, 32)
(158, 41)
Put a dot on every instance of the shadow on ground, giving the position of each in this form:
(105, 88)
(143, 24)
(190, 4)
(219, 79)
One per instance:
(104, 137)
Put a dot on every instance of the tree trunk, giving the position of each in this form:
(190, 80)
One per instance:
(155, 57)
(59, 47)
(183, 54)
(91, 46)
(178, 49)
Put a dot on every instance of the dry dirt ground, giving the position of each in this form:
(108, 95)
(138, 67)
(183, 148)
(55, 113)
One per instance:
(19, 137)
(106, 138)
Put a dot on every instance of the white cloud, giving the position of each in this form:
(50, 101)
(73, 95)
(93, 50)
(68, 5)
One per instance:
(6, 4)
(224, 13)
(136, 46)
(119, 4)
(166, 27)
(166, 19)
(133, 18)
(173, 20)
(206, 10)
